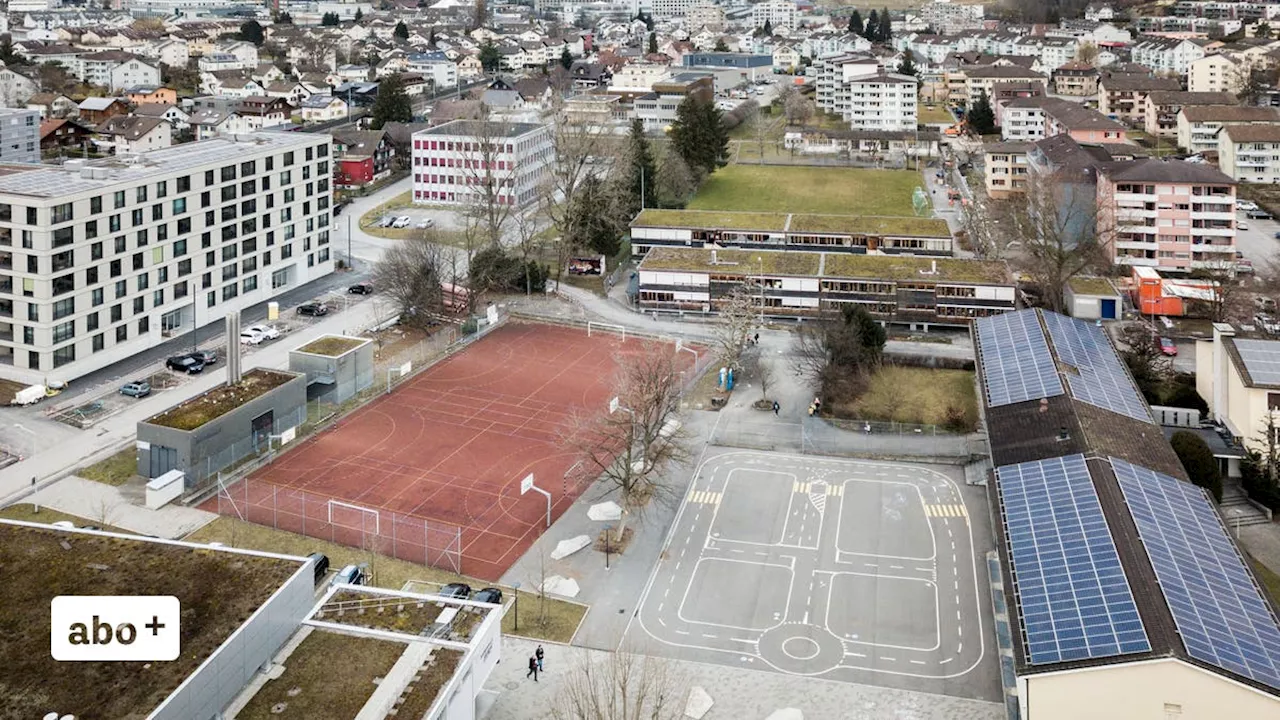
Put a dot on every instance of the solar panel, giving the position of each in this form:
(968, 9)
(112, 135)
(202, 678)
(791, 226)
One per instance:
(1262, 360)
(1074, 597)
(1016, 363)
(1218, 609)
(1101, 378)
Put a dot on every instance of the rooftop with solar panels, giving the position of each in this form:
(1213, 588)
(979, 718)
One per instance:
(1109, 555)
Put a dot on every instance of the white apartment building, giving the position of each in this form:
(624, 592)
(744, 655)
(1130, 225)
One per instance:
(1165, 54)
(857, 89)
(949, 17)
(1199, 125)
(448, 160)
(1250, 153)
(1216, 73)
(19, 135)
(115, 70)
(435, 67)
(1022, 122)
(778, 13)
(704, 14)
(100, 260)
(667, 9)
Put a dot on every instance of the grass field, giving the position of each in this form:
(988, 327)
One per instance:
(837, 191)
(115, 470)
(561, 618)
(47, 515)
(914, 395)
(313, 686)
(934, 115)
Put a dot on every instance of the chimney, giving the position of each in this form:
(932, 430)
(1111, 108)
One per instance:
(1063, 434)
(233, 348)
(1044, 405)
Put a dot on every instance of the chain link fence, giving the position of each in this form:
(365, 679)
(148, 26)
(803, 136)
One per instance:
(405, 537)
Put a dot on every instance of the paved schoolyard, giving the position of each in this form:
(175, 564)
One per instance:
(847, 570)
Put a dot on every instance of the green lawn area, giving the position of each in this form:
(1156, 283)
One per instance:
(837, 191)
(313, 686)
(47, 515)
(933, 115)
(115, 470)
(561, 618)
(921, 396)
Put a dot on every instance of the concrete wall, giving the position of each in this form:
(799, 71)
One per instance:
(206, 449)
(224, 674)
(335, 379)
(1156, 690)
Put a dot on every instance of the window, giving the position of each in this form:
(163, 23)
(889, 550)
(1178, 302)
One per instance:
(179, 247)
(64, 308)
(97, 296)
(139, 305)
(248, 226)
(28, 336)
(248, 207)
(322, 150)
(248, 187)
(157, 256)
(184, 225)
(228, 213)
(286, 177)
(250, 283)
(229, 253)
(323, 255)
(162, 189)
(247, 168)
(142, 194)
(279, 279)
(63, 236)
(62, 261)
(91, 322)
(288, 159)
(144, 281)
(118, 199)
(144, 325)
(157, 212)
(117, 313)
(31, 216)
(270, 164)
(91, 229)
(249, 264)
(137, 261)
(27, 239)
(205, 199)
(115, 268)
(113, 224)
(64, 355)
(184, 267)
(228, 193)
(99, 342)
(230, 291)
(288, 195)
(179, 206)
(208, 178)
(33, 310)
(184, 183)
(33, 264)
(122, 289)
(95, 206)
(122, 333)
(230, 271)
(91, 276)
(229, 173)
(65, 284)
(136, 217)
(64, 332)
(286, 252)
(157, 298)
(206, 240)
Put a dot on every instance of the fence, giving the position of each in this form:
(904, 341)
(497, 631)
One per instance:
(817, 436)
(383, 532)
(204, 471)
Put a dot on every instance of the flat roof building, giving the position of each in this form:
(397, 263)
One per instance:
(103, 259)
(454, 162)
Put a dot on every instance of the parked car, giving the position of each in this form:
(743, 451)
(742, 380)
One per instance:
(188, 364)
(350, 575)
(250, 337)
(490, 595)
(386, 221)
(1264, 304)
(402, 222)
(1277, 236)
(136, 388)
(1168, 347)
(425, 223)
(268, 332)
(1242, 225)
(313, 309)
(1246, 205)
(208, 357)
(456, 590)
(1266, 322)
(361, 288)
(1258, 214)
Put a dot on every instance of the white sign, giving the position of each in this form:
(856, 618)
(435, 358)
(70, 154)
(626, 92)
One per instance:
(287, 436)
(405, 368)
(613, 405)
(491, 314)
(144, 445)
(526, 484)
(115, 628)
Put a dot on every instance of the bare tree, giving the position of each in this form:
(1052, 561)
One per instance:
(489, 160)
(838, 350)
(631, 449)
(621, 686)
(104, 510)
(1227, 300)
(526, 232)
(1087, 53)
(980, 219)
(762, 127)
(410, 275)
(575, 144)
(799, 109)
(738, 318)
(1057, 223)
(757, 365)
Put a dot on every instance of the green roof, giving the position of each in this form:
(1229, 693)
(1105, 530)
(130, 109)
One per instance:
(1092, 286)
(777, 222)
(833, 265)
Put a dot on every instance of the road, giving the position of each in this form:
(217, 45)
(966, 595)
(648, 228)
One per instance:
(1258, 243)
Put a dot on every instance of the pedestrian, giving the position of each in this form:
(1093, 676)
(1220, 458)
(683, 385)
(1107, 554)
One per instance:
(757, 339)
(533, 669)
(776, 407)
(538, 654)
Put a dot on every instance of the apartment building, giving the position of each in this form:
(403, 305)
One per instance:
(980, 80)
(1125, 95)
(1198, 126)
(1250, 153)
(1036, 118)
(1219, 72)
(1076, 79)
(1166, 54)
(657, 110)
(915, 291)
(19, 135)
(1163, 107)
(103, 259)
(950, 18)
(857, 89)
(1006, 169)
(1170, 215)
(451, 161)
(435, 67)
(778, 13)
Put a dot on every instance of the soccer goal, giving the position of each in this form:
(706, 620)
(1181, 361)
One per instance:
(598, 327)
(354, 517)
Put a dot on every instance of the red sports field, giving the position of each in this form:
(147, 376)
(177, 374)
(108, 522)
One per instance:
(451, 444)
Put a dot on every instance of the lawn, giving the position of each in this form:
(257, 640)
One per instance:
(935, 115)
(789, 188)
(115, 470)
(562, 618)
(47, 515)
(315, 683)
(920, 396)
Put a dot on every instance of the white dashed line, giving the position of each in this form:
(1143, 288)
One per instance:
(916, 662)
(944, 662)
(888, 659)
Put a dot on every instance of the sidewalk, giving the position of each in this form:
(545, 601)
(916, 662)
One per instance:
(737, 693)
(123, 507)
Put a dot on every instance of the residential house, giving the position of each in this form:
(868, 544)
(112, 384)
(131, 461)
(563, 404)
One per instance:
(589, 75)
(657, 109)
(231, 84)
(1198, 125)
(436, 67)
(361, 157)
(785, 58)
(16, 88)
(1166, 54)
(131, 134)
(178, 119)
(1167, 214)
(856, 88)
(173, 52)
(97, 110)
(470, 67)
(1235, 378)
(291, 92)
(323, 108)
(208, 123)
(1219, 72)
(258, 112)
(1124, 96)
(245, 52)
(980, 80)
(777, 13)
(65, 136)
(1163, 107)
(1076, 79)
(143, 94)
(1036, 118)
(1006, 168)
(53, 105)
(1250, 153)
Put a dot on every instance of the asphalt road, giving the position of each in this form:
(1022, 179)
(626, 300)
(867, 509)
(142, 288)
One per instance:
(846, 570)
(1258, 243)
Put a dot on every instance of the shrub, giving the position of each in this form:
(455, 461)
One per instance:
(1198, 460)
(1257, 485)
(1182, 393)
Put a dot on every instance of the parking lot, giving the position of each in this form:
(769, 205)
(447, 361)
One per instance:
(1258, 242)
(849, 570)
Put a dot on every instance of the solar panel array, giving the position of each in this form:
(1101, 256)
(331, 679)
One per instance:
(1262, 359)
(1016, 364)
(1073, 594)
(1218, 609)
(1102, 380)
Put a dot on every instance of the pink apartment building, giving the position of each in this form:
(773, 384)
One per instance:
(452, 162)
(1169, 215)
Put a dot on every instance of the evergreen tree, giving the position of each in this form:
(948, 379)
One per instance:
(653, 43)
(720, 46)
(855, 23)
(359, 14)
(251, 31)
(566, 59)
(699, 137)
(392, 103)
(870, 29)
(431, 37)
(768, 28)
(908, 66)
(981, 118)
(884, 30)
(330, 19)
(401, 32)
(643, 171)
(490, 58)
(284, 18)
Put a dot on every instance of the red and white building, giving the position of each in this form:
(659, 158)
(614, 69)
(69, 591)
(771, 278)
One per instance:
(450, 159)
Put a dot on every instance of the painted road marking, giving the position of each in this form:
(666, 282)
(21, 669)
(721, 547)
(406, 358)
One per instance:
(946, 511)
(705, 497)
(835, 490)
(800, 487)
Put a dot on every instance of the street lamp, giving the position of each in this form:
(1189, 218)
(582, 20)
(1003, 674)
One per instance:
(516, 606)
(608, 530)
(32, 433)
(760, 279)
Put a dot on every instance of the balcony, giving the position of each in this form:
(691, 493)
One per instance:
(1131, 245)
(1131, 260)
(1124, 213)
(1213, 215)
(1133, 198)
(1138, 229)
